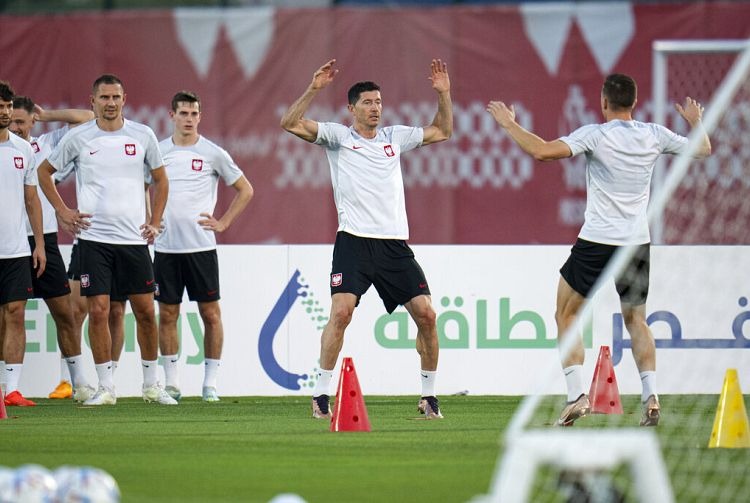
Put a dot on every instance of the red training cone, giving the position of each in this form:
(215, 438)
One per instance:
(350, 413)
(3, 412)
(604, 395)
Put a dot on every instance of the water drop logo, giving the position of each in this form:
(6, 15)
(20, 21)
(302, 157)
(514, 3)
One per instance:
(295, 289)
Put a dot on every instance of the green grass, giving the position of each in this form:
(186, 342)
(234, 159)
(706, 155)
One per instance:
(253, 448)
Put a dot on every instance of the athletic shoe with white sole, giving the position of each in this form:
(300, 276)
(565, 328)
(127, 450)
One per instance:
(430, 407)
(83, 392)
(209, 394)
(320, 407)
(156, 394)
(651, 412)
(103, 396)
(174, 392)
(576, 409)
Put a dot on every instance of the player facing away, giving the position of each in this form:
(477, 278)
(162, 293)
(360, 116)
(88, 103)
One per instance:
(18, 191)
(370, 248)
(53, 285)
(185, 254)
(111, 156)
(620, 157)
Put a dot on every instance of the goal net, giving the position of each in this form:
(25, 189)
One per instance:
(697, 310)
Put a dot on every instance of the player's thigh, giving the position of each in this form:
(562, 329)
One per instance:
(200, 272)
(97, 266)
(134, 273)
(170, 283)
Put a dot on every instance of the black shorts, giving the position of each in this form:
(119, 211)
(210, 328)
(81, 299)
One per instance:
(54, 281)
(15, 280)
(122, 269)
(388, 264)
(74, 274)
(197, 272)
(587, 261)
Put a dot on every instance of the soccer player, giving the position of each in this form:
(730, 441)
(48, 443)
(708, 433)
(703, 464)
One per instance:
(185, 252)
(620, 157)
(370, 248)
(112, 155)
(17, 191)
(53, 285)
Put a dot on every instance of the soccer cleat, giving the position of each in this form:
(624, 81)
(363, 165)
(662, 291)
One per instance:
(174, 392)
(83, 392)
(156, 394)
(15, 398)
(320, 407)
(576, 409)
(209, 394)
(63, 390)
(651, 412)
(430, 407)
(103, 396)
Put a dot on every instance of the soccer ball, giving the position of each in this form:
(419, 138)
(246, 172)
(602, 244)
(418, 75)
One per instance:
(28, 484)
(87, 483)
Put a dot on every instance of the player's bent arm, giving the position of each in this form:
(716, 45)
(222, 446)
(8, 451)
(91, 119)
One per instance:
(161, 192)
(72, 116)
(293, 120)
(44, 174)
(442, 125)
(34, 212)
(244, 193)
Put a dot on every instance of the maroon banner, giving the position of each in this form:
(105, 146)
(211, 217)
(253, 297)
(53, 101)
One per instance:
(249, 65)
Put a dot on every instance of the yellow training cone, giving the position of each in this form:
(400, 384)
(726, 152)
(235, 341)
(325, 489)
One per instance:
(730, 425)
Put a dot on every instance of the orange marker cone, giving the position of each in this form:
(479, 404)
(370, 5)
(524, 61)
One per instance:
(604, 394)
(3, 412)
(350, 413)
(730, 424)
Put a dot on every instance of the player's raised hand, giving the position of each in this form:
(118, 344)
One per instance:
(439, 76)
(324, 75)
(691, 111)
(504, 115)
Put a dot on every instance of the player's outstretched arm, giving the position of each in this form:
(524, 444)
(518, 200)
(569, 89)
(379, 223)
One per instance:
(293, 120)
(692, 112)
(442, 125)
(72, 116)
(530, 143)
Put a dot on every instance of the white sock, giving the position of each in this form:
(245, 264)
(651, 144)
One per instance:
(428, 382)
(323, 384)
(64, 372)
(211, 369)
(2, 374)
(149, 372)
(171, 375)
(115, 364)
(573, 380)
(74, 369)
(12, 377)
(104, 372)
(648, 380)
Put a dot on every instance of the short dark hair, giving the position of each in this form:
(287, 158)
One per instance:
(6, 92)
(24, 103)
(359, 88)
(107, 78)
(185, 97)
(620, 90)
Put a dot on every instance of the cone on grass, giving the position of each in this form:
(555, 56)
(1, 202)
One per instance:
(3, 412)
(604, 394)
(730, 424)
(350, 413)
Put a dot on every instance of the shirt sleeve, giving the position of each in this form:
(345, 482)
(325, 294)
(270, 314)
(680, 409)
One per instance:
(65, 153)
(408, 138)
(669, 142)
(30, 175)
(583, 139)
(226, 167)
(153, 159)
(330, 134)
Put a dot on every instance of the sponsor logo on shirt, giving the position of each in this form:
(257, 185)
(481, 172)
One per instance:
(197, 165)
(35, 146)
(18, 162)
(389, 151)
(336, 279)
(85, 281)
(130, 148)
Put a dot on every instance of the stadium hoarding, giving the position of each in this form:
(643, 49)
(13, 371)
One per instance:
(495, 307)
(548, 59)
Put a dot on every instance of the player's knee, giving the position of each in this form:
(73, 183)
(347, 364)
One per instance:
(341, 315)
(425, 318)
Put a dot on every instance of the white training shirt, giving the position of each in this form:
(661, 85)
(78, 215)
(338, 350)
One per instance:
(368, 187)
(17, 169)
(42, 147)
(193, 173)
(620, 158)
(110, 169)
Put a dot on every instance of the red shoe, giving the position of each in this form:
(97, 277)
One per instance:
(16, 398)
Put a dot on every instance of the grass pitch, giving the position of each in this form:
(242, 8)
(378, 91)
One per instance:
(253, 448)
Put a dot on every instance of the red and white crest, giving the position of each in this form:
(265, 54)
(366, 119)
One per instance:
(197, 164)
(18, 162)
(35, 146)
(130, 148)
(85, 281)
(336, 279)
(389, 151)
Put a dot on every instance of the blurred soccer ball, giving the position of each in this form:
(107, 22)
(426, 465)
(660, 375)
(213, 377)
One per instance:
(89, 484)
(28, 484)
